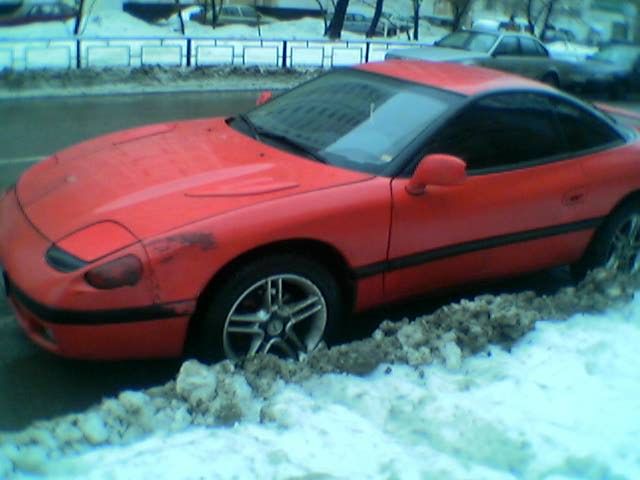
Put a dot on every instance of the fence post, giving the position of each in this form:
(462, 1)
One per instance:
(78, 53)
(188, 52)
(284, 54)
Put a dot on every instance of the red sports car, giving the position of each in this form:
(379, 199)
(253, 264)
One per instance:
(262, 232)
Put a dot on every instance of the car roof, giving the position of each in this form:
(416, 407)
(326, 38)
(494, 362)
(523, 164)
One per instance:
(454, 77)
(500, 33)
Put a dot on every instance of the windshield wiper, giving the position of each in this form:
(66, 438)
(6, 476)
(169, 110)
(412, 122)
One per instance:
(298, 146)
(252, 127)
(259, 134)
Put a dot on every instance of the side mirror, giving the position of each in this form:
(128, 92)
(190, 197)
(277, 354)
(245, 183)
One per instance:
(437, 169)
(264, 97)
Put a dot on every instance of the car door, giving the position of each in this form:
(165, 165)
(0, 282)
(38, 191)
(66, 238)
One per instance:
(534, 59)
(522, 206)
(506, 55)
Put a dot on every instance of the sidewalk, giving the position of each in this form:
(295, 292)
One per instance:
(34, 84)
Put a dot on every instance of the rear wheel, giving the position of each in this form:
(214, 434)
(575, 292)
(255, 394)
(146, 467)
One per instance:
(616, 244)
(284, 305)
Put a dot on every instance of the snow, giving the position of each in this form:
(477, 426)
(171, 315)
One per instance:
(116, 23)
(106, 19)
(558, 402)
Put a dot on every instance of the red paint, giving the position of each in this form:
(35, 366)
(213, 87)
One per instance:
(451, 76)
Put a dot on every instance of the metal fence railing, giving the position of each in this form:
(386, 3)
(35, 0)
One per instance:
(82, 52)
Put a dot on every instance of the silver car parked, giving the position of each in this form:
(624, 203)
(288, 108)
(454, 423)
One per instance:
(231, 14)
(512, 52)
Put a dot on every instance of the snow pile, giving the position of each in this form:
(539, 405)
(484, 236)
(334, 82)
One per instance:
(523, 407)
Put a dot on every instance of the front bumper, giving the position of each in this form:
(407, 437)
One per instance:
(63, 315)
(145, 332)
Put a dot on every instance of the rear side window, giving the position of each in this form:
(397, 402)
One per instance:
(582, 129)
(508, 46)
(531, 48)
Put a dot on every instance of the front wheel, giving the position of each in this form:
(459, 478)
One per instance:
(283, 305)
(616, 245)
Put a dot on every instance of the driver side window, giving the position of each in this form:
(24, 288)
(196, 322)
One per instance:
(501, 131)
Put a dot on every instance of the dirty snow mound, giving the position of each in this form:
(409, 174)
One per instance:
(226, 394)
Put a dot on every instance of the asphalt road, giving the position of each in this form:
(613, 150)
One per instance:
(36, 385)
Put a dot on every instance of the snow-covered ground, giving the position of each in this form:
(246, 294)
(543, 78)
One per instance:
(464, 393)
(105, 18)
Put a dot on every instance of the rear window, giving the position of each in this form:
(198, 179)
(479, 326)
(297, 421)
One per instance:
(472, 41)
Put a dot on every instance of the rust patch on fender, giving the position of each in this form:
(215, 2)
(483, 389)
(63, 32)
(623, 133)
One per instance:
(201, 240)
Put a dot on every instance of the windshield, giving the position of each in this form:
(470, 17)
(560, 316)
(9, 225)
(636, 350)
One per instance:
(350, 118)
(619, 55)
(472, 41)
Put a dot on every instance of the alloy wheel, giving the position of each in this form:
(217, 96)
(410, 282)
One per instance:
(624, 249)
(283, 314)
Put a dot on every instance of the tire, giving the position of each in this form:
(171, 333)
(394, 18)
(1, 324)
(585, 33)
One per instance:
(551, 79)
(303, 309)
(616, 244)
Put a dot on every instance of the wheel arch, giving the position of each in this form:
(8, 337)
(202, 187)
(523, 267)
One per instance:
(631, 197)
(580, 268)
(323, 253)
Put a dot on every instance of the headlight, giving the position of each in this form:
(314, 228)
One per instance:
(122, 272)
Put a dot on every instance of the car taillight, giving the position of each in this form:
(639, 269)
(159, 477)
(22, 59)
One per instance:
(121, 272)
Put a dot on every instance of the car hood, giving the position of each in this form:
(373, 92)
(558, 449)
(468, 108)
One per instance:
(435, 54)
(155, 178)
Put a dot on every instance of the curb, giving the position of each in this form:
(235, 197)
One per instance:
(73, 83)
